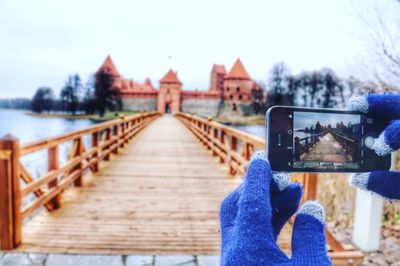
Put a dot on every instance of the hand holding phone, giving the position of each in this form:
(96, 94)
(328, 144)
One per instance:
(385, 108)
(323, 140)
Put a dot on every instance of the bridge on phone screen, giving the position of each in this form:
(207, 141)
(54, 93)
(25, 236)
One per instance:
(326, 148)
(143, 184)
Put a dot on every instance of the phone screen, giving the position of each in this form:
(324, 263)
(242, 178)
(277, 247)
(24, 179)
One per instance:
(323, 140)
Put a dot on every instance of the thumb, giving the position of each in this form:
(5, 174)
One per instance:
(308, 240)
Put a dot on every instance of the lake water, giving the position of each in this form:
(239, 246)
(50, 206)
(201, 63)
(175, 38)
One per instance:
(257, 130)
(302, 134)
(28, 128)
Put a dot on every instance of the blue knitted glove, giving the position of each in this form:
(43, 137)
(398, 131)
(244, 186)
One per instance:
(387, 108)
(253, 215)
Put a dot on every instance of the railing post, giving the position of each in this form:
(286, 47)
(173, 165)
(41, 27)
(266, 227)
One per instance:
(214, 137)
(310, 186)
(222, 141)
(122, 117)
(95, 144)
(116, 134)
(54, 164)
(210, 143)
(131, 126)
(247, 151)
(233, 147)
(107, 137)
(77, 150)
(10, 194)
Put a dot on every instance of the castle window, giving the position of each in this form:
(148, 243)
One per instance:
(238, 89)
(231, 97)
(240, 97)
(227, 88)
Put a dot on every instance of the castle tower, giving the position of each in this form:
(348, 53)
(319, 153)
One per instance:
(238, 83)
(218, 73)
(169, 93)
(109, 67)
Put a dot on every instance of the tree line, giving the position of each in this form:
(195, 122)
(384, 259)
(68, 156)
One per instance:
(97, 96)
(319, 88)
(16, 103)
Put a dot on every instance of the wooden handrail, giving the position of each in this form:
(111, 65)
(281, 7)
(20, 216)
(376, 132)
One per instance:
(232, 146)
(107, 138)
(49, 142)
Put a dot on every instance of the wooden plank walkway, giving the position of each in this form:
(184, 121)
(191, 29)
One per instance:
(327, 150)
(160, 195)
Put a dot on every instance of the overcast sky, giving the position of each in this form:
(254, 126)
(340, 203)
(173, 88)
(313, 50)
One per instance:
(304, 119)
(42, 42)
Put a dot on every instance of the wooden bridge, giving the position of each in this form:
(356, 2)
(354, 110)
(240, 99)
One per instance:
(143, 185)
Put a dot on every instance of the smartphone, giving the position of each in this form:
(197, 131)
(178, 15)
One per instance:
(322, 140)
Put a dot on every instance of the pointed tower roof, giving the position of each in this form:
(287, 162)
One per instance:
(147, 82)
(108, 66)
(171, 77)
(126, 85)
(238, 71)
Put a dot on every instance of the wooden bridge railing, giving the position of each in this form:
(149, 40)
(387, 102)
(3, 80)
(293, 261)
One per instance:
(349, 145)
(234, 149)
(302, 145)
(106, 138)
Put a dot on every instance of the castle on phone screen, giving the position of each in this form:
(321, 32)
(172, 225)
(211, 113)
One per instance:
(234, 88)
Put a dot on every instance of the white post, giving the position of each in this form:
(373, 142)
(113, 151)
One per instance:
(368, 218)
(367, 221)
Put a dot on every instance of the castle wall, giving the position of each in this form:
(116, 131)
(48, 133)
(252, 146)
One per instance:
(238, 90)
(202, 107)
(145, 104)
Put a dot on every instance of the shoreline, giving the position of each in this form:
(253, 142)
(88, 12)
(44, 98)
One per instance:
(66, 116)
(95, 117)
(234, 121)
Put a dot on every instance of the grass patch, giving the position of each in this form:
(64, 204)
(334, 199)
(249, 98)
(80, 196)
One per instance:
(242, 120)
(112, 115)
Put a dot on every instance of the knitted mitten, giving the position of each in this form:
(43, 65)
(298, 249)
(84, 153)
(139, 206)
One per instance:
(253, 215)
(387, 108)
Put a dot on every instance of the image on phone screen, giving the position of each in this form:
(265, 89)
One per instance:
(323, 140)
(326, 140)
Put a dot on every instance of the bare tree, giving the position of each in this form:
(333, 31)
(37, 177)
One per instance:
(69, 94)
(381, 22)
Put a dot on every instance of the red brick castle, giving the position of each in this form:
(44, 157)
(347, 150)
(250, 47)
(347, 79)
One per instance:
(234, 88)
